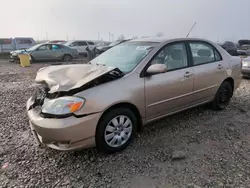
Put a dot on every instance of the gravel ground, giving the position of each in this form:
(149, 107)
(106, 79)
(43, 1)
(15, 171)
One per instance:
(212, 148)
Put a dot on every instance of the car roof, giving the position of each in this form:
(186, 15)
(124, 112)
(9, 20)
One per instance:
(162, 39)
(79, 41)
(51, 44)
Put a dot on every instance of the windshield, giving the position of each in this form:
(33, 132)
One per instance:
(125, 56)
(33, 47)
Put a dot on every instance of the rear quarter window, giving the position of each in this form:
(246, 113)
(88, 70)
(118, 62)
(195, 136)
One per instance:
(24, 41)
(5, 41)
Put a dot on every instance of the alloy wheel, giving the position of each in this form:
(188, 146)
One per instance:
(118, 131)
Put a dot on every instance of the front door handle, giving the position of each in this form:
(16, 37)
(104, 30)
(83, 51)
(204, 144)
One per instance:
(188, 74)
(219, 66)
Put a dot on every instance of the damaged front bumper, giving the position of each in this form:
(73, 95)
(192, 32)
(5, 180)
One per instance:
(63, 134)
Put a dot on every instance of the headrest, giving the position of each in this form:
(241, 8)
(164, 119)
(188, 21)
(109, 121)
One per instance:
(204, 53)
(176, 54)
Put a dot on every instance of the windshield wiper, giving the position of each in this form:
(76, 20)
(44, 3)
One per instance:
(117, 73)
(96, 63)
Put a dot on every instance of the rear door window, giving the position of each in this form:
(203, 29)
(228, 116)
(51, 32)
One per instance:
(90, 43)
(24, 41)
(83, 43)
(203, 53)
(56, 47)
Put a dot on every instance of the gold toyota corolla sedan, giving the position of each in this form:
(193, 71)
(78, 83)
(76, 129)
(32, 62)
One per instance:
(105, 102)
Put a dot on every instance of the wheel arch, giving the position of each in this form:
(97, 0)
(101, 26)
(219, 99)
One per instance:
(128, 105)
(67, 54)
(231, 81)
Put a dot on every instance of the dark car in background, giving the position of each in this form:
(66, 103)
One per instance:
(244, 46)
(101, 49)
(230, 47)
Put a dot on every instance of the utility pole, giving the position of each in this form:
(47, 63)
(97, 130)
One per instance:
(46, 35)
(191, 29)
(109, 36)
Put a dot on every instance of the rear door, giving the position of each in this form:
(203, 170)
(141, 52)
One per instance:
(58, 51)
(82, 47)
(171, 91)
(209, 70)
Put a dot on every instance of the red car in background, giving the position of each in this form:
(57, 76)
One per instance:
(57, 41)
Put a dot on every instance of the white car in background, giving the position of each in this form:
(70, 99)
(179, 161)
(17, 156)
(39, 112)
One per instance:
(80, 45)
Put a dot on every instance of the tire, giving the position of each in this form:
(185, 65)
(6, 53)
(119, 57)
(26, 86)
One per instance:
(32, 60)
(108, 134)
(67, 58)
(223, 96)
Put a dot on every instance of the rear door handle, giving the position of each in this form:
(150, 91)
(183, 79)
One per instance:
(219, 66)
(188, 74)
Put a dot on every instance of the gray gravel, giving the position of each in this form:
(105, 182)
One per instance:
(215, 145)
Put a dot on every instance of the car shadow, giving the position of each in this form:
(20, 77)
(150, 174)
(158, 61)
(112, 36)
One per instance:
(164, 124)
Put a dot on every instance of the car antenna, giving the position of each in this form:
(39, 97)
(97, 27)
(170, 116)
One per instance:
(191, 29)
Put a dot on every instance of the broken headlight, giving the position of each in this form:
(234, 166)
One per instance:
(62, 105)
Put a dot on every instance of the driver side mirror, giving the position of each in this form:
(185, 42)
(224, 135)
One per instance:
(156, 69)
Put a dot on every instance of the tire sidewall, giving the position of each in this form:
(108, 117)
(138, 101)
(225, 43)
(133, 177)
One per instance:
(100, 130)
(216, 102)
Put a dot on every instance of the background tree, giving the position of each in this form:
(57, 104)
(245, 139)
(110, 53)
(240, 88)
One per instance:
(160, 34)
(121, 37)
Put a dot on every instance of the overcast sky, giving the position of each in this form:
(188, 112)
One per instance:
(83, 19)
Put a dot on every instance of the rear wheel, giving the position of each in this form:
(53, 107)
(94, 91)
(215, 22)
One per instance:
(116, 130)
(223, 96)
(67, 58)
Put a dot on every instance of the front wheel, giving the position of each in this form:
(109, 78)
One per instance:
(32, 59)
(116, 130)
(223, 96)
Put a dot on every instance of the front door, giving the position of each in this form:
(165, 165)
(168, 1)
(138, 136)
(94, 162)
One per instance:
(43, 52)
(209, 70)
(82, 47)
(171, 91)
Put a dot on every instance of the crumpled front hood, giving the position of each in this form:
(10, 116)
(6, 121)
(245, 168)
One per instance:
(68, 77)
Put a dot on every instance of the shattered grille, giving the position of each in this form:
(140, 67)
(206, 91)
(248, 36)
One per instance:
(39, 95)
